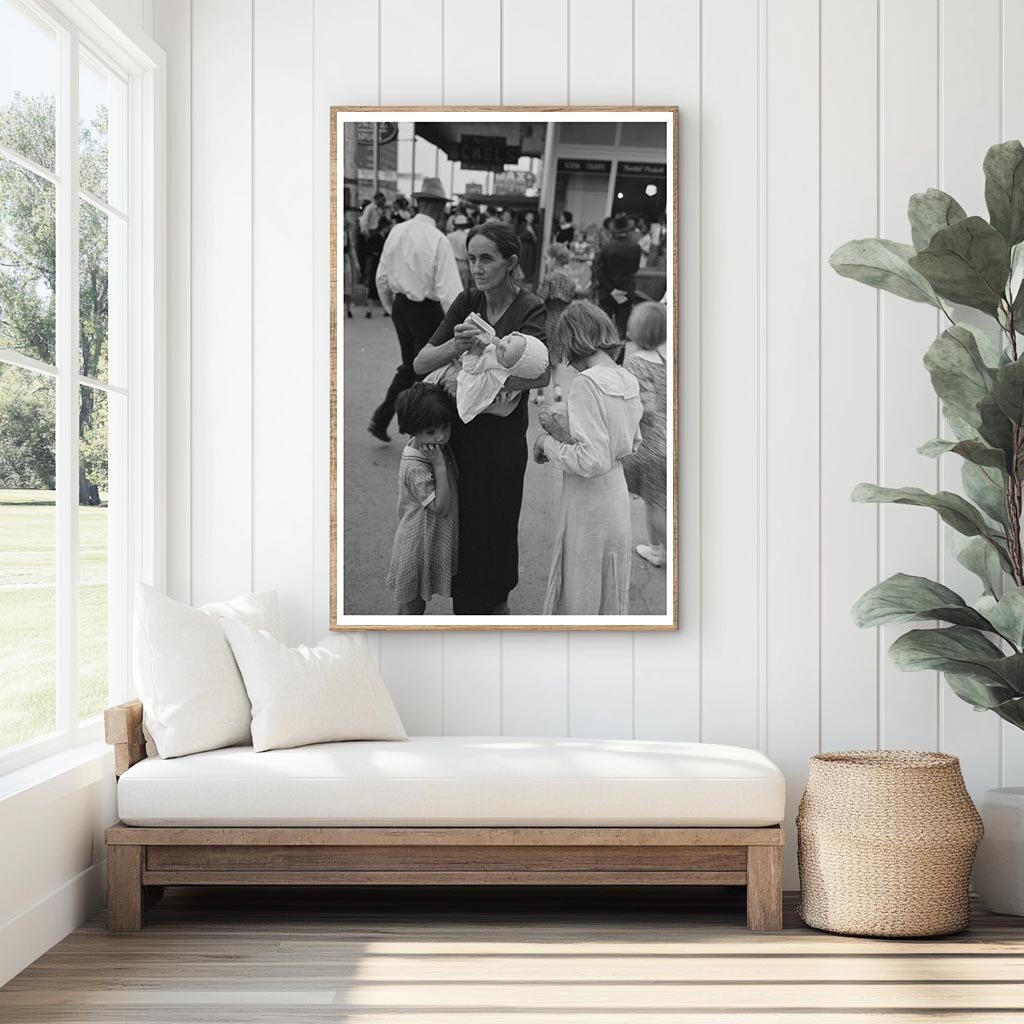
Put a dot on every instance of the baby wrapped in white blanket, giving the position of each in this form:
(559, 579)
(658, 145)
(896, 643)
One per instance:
(486, 367)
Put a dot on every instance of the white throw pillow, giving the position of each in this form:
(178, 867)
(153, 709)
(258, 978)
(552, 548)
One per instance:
(192, 693)
(309, 694)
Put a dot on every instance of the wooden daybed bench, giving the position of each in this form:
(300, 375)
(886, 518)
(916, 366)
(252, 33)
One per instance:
(444, 811)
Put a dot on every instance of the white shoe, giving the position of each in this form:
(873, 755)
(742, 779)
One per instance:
(654, 555)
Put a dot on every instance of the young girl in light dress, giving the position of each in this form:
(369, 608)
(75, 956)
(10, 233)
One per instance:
(424, 557)
(590, 566)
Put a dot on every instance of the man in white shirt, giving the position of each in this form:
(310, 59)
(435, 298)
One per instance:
(369, 219)
(417, 280)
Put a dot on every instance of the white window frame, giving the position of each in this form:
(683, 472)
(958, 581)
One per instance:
(141, 64)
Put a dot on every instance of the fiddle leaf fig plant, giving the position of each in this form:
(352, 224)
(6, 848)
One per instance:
(978, 376)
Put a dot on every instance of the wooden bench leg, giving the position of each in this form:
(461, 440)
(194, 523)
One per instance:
(125, 897)
(764, 888)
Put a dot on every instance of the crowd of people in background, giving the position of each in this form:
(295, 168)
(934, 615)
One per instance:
(601, 261)
(649, 234)
(367, 226)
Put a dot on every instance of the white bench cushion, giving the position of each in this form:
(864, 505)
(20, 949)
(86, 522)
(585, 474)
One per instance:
(459, 780)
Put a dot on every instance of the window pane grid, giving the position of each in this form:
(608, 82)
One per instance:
(10, 357)
(16, 158)
(100, 543)
(67, 391)
(102, 385)
(103, 99)
(28, 556)
(110, 211)
(29, 84)
(28, 263)
(83, 164)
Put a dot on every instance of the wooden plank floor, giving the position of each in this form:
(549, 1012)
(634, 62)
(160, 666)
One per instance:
(220, 956)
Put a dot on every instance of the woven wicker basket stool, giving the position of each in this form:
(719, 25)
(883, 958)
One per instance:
(886, 840)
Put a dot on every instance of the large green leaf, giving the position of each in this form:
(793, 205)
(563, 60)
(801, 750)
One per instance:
(958, 372)
(962, 430)
(973, 451)
(932, 211)
(985, 487)
(883, 264)
(996, 427)
(967, 263)
(962, 651)
(954, 510)
(983, 694)
(976, 555)
(995, 434)
(1004, 189)
(903, 598)
(1006, 614)
(1011, 711)
(990, 344)
(1009, 390)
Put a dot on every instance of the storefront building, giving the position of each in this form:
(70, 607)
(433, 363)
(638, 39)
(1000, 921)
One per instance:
(596, 170)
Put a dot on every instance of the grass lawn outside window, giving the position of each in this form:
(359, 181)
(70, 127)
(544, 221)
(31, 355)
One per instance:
(28, 596)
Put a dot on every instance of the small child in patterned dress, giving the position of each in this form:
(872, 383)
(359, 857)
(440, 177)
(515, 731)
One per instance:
(557, 290)
(647, 469)
(424, 557)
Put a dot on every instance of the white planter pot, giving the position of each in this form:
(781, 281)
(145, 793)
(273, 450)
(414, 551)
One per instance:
(998, 877)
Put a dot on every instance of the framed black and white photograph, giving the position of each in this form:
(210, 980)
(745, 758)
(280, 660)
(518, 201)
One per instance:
(504, 352)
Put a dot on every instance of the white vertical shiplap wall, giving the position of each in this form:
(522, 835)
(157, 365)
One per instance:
(173, 25)
(908, 162)
(283, 304)
(790, 375)
(803, 123)
(223, 349)
(848, 389)
(730, 336)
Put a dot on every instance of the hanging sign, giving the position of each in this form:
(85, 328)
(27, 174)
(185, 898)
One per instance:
(633, 169)
(484, 153)
(585, 166)
(387, 131)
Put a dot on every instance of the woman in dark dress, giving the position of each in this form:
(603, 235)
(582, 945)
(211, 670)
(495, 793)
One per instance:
(490, 451)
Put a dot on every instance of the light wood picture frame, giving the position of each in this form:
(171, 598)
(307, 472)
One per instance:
(602, 165)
